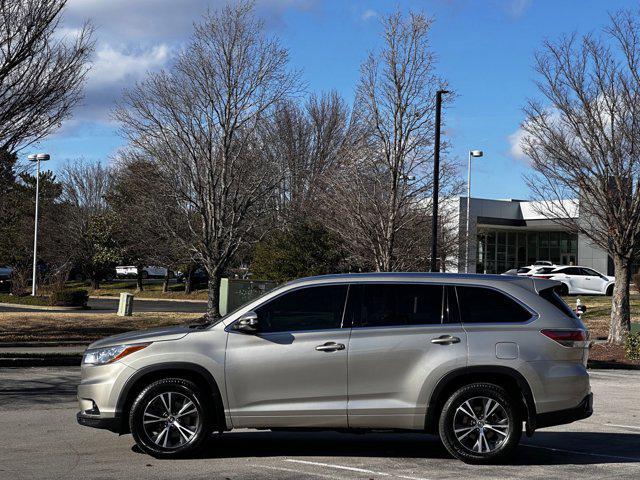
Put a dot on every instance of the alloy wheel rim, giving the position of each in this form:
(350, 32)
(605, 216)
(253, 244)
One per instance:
(171, 420)
(481, 425)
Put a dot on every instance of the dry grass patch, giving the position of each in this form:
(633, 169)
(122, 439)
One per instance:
(598, 315)
(80, 327)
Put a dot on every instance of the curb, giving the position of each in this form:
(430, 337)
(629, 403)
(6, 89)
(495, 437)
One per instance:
(603, 365)
(142, 299)
(41, 307)
(43, 344)
(41, 361)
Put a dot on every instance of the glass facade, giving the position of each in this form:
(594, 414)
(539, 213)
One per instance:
(501, 250)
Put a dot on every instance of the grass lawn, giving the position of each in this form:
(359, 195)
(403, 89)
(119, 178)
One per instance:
(152, 289)
(598, 315)
(79, 327)
(26, 300)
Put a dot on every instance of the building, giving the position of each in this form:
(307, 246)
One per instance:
(506, 234)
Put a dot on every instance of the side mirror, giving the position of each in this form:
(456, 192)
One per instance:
(248, 323)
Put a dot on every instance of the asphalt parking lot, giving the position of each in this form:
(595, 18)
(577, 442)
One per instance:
(39, 438)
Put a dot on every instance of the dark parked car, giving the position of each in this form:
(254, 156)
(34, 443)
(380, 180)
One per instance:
(200, 277)
(5, 278)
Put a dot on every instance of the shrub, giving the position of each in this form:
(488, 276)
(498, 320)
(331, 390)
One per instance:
(69, 298)
(632, 346)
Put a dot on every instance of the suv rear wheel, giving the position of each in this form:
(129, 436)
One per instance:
(168, 418)
(480, 423)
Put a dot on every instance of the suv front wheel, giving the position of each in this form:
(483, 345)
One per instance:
(168, 418)
(480, 423)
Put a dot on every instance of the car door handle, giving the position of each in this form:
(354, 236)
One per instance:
(445, 340)
(330, 347)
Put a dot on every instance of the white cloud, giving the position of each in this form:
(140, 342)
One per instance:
(134, 37)
(368, 14)
(517, 8)
(112, 66)
(515, 144)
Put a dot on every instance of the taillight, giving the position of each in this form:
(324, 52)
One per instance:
(567, 338)
(543, 276)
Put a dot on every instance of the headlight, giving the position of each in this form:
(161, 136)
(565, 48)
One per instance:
(102, 356)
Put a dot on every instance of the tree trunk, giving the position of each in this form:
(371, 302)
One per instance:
(139, 284)
(165, 284)
(213, 299)
(188, 281)
(95, 282)
(620, 309)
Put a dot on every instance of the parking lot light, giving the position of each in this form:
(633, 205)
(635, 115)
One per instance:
(475, 154)
(40, 157)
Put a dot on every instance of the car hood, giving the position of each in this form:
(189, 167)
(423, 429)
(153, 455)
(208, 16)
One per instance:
(161, 334)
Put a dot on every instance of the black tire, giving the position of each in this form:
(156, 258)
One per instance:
(499, 446)
(177, 441)
(609, 292)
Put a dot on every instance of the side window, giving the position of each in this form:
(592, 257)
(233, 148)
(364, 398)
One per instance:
(485, 305)
(573, 271)
(313, 308)
(385, 305)
(589, 272)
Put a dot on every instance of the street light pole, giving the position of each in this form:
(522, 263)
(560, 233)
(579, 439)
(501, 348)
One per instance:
(472, 153)
(436, 183)
(40, 157)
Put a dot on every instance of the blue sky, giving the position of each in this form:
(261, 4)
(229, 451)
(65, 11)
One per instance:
(485, 50)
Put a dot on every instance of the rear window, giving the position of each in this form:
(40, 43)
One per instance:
(485, 305)
(551, 296)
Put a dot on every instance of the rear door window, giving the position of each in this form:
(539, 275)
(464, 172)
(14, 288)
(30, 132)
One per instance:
(573, 271)
(389, 305)
(486, 305)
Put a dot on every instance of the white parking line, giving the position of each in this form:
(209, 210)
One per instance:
(353, 469)
(299, 472)
(621, 426)
(576, 452)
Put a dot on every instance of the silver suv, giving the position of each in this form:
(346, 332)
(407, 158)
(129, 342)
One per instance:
(468, 357)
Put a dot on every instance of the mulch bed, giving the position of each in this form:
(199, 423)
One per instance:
(606, 355)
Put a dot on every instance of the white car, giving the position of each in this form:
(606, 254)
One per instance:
(147, 272)
(580, 280)
(535, 269)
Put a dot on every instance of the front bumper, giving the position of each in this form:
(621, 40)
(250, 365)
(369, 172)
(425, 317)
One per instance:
(561, 417)
(112, 424)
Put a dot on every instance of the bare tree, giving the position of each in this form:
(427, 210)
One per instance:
(147, 219)
(199, 123)
(382, 191)
(584, 141)
(41, 73)
(307, 144)
(89, 224)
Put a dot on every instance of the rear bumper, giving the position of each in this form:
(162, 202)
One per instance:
(561, 417)
(112, 424)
